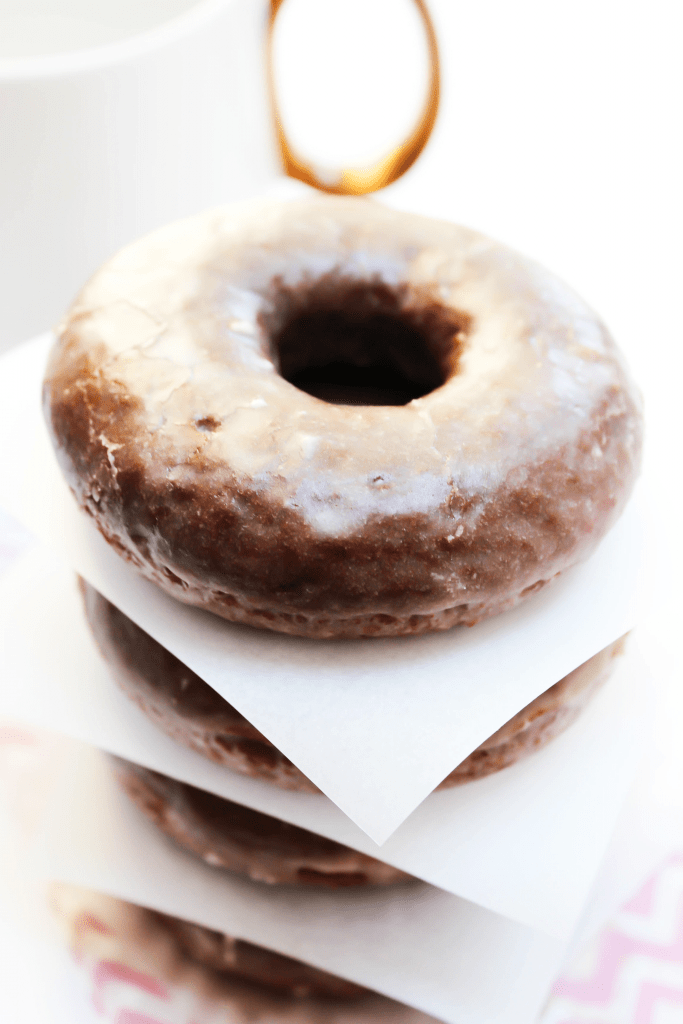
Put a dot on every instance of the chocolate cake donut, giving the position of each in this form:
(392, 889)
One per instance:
(189, 711)
(237, 838)
(191, 400)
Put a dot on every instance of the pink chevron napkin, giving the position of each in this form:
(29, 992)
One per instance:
(631, 972)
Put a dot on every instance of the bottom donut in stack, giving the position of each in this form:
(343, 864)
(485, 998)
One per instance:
(169, 969)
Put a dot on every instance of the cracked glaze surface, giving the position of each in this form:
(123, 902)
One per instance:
(235, 491)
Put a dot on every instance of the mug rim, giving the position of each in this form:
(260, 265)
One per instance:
(103, 55)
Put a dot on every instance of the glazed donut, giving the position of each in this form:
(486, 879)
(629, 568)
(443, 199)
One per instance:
(240, 839)
(502, 444)
(189, 711)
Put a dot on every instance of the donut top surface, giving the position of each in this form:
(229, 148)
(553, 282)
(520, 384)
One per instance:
(171, 401)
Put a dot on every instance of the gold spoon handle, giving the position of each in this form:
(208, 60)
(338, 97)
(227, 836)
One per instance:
(359, 181)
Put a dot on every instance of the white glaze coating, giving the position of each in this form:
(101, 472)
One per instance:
(502, 477)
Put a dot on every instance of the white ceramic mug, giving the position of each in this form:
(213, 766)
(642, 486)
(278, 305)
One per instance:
(117, 116)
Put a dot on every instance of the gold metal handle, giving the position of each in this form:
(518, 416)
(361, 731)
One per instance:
(360, 181)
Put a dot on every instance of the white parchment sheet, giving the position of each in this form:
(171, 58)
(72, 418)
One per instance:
(502, 842)
(375, 724)
(412, 942)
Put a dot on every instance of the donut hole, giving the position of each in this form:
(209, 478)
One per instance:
(352, 342)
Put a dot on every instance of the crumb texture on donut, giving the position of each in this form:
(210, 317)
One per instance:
(203, 400)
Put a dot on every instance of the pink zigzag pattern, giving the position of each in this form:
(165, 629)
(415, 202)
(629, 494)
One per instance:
(615, 950)
(107, 971)
(133, 1017)
(575, 1020)
(650, 995)
(642, 902)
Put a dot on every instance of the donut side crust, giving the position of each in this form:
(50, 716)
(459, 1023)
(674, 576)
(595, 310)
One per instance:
(192, 713)
(236, 958)
(181, 704)
(248, 842)
(540, 721)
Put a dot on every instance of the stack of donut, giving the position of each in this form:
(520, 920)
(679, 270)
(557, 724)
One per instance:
(328, 419)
